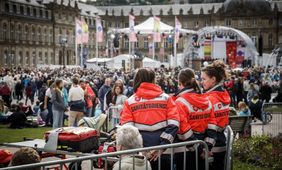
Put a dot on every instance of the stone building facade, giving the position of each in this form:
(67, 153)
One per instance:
(31, 30)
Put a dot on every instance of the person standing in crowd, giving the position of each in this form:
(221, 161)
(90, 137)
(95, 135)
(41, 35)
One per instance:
(5, 92)
(76, 102)
(252, 92)
(19, 91)
(265, 92)
(104, 90)
(28, 93)
(58, 104)
(118, 100)
(48, 104)
(213, 76)
(153, 112)
(255, 106)
(197, 120)
(246, 86)
(94, 87)
(240, 90)
(88, 97)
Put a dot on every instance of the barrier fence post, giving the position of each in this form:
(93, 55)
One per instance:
(196, 153)
(159, 160)
(171, 158)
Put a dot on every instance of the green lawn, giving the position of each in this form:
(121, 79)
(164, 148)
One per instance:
(17, 135)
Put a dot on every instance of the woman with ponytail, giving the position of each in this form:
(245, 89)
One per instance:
(195, 112)
(213, 76)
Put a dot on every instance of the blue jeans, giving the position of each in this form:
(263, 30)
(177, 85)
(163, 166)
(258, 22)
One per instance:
(49, 118)
(58, 118)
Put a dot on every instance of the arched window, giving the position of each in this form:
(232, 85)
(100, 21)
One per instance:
(39, 34)
(270, 40)
(33, 58)
(12, 31)
(19, 32)
(27, 58)
(26, 33)
(50, 35)
(46, 58)
(33, 34)
(6, 58)
(5, 31)
(45, 35)
(21, 58)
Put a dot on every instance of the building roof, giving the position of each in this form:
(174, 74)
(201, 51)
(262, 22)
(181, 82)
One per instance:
(254, 5)
(149, 10)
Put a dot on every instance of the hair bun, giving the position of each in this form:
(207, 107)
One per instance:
(219, 64)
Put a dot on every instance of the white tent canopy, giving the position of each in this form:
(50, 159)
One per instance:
(117, 62)
(147, 27)
(98, 60)
(150, 63)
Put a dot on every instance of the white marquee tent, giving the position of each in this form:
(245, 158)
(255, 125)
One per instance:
(147, 27)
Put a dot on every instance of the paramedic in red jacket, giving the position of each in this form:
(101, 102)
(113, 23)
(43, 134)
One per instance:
(213, 76)
(153, 112)
(196, 114)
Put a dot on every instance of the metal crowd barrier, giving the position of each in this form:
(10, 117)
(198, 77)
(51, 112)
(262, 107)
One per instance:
(274, 127)
(229, 144)
(108, 156)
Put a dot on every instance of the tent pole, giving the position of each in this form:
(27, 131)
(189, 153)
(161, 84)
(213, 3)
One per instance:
(153, 50)
(97, 52)
(175, 52)
(133, 54)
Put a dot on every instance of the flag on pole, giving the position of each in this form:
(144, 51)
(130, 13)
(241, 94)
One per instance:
(85, 31)
(157, 29)
(178, 26)
(78, 31)
(132, 35)
(151, 48)
(162, 50)
(99, 30)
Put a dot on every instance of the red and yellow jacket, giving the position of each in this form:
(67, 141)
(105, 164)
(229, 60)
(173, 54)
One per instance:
(154, 113)
(220, 100)
(195, 116)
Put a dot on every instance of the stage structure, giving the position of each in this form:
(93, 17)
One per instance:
(218, 42)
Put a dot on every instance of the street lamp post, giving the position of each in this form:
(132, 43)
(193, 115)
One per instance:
(64, 44)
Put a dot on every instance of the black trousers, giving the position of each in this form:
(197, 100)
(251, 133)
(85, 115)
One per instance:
(190, 161)
(165, 163)
(219, 157)
(218, 161)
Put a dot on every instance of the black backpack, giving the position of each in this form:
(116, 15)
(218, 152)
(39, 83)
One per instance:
(41, 94)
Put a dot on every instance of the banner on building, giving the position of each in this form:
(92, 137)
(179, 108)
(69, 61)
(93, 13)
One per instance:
(85, 32)
(207, 50)
(78, 31)
(157, 29)
(178, 26)
(132, 35)
(99, 30)
(231, 53)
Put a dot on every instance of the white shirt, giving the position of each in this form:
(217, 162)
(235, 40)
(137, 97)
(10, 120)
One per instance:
(76, 93)
(48, 93)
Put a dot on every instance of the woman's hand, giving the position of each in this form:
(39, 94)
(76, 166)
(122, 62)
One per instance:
(154, 154)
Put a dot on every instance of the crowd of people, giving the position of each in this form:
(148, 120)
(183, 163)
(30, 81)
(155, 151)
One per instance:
(164, 105)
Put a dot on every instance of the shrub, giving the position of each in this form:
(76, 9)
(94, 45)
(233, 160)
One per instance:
(261, 151)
